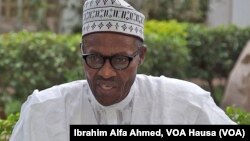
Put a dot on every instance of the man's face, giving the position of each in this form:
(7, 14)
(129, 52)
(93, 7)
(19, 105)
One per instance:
(108, 84)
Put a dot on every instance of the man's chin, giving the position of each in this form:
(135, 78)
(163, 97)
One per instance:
(106, 100)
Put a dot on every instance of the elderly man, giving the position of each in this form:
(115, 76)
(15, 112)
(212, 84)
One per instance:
(112, 50)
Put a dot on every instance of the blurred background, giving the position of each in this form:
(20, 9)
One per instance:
(203, 41)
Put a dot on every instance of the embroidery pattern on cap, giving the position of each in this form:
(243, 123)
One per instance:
(112, 15)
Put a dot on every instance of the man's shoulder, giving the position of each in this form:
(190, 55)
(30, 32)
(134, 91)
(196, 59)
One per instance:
(187, 102)
(168, 84)
(170, 89)
(69, 89)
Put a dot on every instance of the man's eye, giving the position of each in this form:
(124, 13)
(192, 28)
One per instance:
(120, 59)
(95, 58)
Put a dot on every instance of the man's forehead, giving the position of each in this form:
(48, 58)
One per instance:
(109, 43)
(109, 38)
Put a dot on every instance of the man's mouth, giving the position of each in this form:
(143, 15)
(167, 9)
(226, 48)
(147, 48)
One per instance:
(106, 87)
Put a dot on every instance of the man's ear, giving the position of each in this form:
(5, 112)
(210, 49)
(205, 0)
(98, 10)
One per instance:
(142, 54)
(81, 46)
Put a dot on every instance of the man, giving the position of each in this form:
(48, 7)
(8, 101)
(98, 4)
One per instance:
(112, 50)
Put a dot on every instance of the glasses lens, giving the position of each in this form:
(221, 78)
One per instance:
(120, 62)
(94, 61)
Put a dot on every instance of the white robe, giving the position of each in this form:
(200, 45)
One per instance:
(47, 114)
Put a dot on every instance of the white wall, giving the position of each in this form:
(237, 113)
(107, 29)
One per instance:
(223, 12)
(219, 12)
(241, 13)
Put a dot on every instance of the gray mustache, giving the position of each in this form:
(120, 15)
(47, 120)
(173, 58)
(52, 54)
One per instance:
(109, 81)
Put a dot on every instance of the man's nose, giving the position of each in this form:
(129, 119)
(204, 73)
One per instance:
(107, 71)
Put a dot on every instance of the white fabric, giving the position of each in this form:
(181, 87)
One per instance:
(119, 113)
(113, 16)
(47, 114)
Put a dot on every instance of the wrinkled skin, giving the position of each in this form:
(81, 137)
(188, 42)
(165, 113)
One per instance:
(108, 85)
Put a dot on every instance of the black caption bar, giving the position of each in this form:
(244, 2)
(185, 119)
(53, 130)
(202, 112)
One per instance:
(160, 132)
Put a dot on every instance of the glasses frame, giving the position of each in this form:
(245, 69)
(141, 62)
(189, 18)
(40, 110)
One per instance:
(130, 59)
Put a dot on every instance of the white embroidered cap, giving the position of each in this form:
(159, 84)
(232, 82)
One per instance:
(112, 16)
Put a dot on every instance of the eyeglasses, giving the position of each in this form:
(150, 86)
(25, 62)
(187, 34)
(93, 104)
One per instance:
(118, 62)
